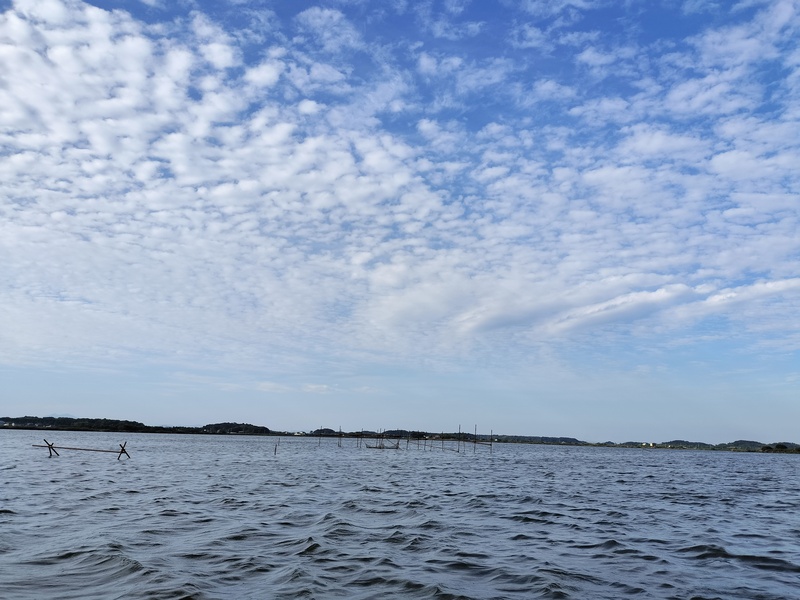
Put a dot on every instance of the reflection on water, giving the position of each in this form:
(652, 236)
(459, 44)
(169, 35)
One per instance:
(227, 517)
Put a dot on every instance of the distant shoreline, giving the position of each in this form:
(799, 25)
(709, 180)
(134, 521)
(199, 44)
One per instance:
(229, 428)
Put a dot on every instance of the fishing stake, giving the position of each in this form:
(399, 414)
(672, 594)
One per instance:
(52, 449)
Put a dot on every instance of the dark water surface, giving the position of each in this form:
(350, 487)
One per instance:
(225, 517)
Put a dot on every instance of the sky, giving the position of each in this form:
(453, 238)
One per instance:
(563, 218)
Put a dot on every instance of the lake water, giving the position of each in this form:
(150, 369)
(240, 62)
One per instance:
(209, 517)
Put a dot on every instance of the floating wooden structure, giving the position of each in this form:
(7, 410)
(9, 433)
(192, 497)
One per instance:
(52, 449)
(384, 442)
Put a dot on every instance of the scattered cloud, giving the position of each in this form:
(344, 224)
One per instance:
(329, 29)
(332, 191)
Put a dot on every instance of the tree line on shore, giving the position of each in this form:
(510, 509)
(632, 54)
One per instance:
(228, 428)
(116, 425)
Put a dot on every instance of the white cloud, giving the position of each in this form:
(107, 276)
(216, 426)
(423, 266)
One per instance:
(330, 29)
(479, 77)
(595, 58)
(317, 388)
(659, 142)
(431, 66)
(633, 305)
(265, 74)
(456, 7)
(530, 36)
(547, 89)
(309, 107)
(555, 7)
(599, 111)
(271, 387)
(712, 94)
(221, 56)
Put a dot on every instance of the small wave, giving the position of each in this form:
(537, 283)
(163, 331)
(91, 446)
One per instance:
(396, 537)
(403, 587)
(171, 512)
(769, 563)
(536, 516)
(530, 500)
(706, 551)
(432, 524)
(417, 543)
(711, 552)
(103, 570)
(310, 549)
(607, 545)
(244, 535)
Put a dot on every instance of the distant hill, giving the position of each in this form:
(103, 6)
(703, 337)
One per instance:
(81, 424)
(237, 428)
(688, 445)
(744, 445)
(540, 439)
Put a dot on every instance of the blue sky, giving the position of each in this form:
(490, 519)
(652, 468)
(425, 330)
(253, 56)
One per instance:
(572, 217)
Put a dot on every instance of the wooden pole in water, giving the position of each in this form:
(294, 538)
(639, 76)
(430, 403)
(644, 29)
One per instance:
(52, 449)
(123, 451)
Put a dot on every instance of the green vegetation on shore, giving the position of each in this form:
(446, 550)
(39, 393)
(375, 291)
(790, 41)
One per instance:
(79, 424)
(115, 425)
